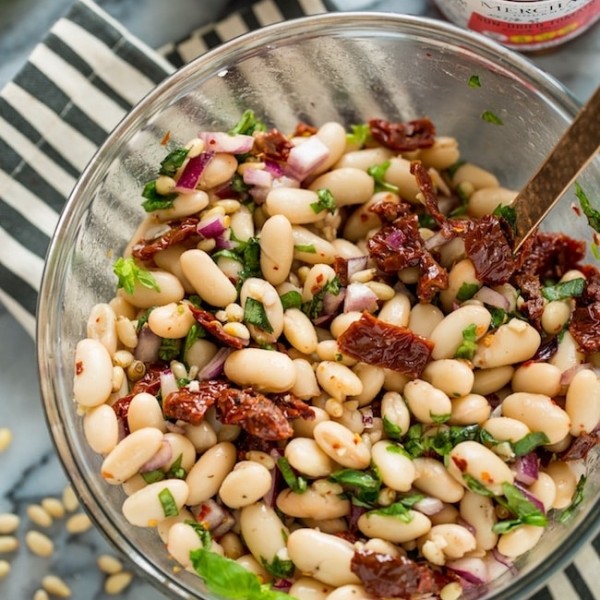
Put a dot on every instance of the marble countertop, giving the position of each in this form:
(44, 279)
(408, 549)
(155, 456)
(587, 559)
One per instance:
(29, 466)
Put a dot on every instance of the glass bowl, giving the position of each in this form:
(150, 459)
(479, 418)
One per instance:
(346, 67)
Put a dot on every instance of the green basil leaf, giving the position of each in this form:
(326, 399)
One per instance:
(154, 200)
(467, 291)
(397, 449)
(439, 419)
(521, 507)
(427, 221)
(592, 214)
(488, 439)
(468, 346)
(203, 533)
(394, 510)
(529, 443)
(391, 429)
(238, 184)
(255, 314)
(577, 499)
(476, 486)
(281, 569)
(474, 81)
(364, 486)
(308, 248)
(295, 483)
(564, 290)
(176, 471)
(377, 172)
(291, 299)
(196, 332)
(153, 476)
(168, 503)
(171, 163)
(498, 316)
(595, 250)
(325, 201)
(489, 117)
(169, 349)
(410, 500)
(128, 274)
(247, 124)
(506, 526)
(359, 134)
(313, 308)
(508, 213)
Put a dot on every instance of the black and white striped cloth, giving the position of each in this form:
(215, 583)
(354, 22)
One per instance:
(74, 89)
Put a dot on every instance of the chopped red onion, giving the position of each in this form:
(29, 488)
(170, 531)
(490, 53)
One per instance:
(474, 570)
(535, 501)
(214, 367)
(259, 177)
(355, 513)
(216, 518)
(526, 468)
(435, 241)
(307, 156)
(395, 239)
(355, 264)
(429, 505)
(188, 180)
(148, 346)
(161, 459)
(567, 376)
(497, 564)
(276, 480)
(360, 297)
(504, 560)
(492, 297)
(275, 168)
(212, 227)
(460, 521)
(168, 383)
(174, 427)
(331, 302)
(222, 242)
(283, 585)
(367, 417)
(219, 141)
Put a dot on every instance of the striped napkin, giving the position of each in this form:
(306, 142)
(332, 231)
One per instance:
(74, 89)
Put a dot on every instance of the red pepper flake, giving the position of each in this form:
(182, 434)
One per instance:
(79, 367)
(166, 138)
(403, 137)
(272, 145)
(486, 477)
(461, 463)
(376, 342)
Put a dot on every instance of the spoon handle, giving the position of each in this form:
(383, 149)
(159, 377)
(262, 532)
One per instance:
(574, 151)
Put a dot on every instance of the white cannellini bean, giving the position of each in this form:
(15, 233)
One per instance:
(102, 326)
(265, 370)
(299, 331)
(200, 353)
(220, 169)
(346, 249)
(276, 249)
(396, 311)
(568, 354)
(424, 318)
(544, 489)
(320, 501)
(343, 321)
(474, 459)
(92, 383)
(583, 402)
(565, 482)
(537, 378)
(130, 454)
(453, 377)
(322, 556)
(555, 316)
(447, 336)
(539, 413)
(343, 446)
(463, 272)
(247, 483)
(433, 479)
(242, 224)
(262, 291)
(393, 529)
(489, 381)
(183, 206)
(506, 429)
(484, 201)
(478, 511)
(520, 540)
(397, 470)
(443, 154)
(478, 177)
(351, 591)
(425, 401)
(316, 279)
(513, 342)
(210, 283)
(398, 173)
(264, 533)
(363, 220)
(144, 508)
(308, 588)
(145, 411)
(232, 545)
(122, 308)
(169, 290)
(310, 247)
(101, 428)
(348, 185)
(333, 135)
(305, 455)
(469, 409)
(295, 204)
(305, 427)
(171, 321)
(206, 476)
(202, 436)
(372, 379)
(338, 380)
(306, 385)
(453, 540)
(163, 527)
(363, 159)
(181, 540)
(182, 447)
(395, 411)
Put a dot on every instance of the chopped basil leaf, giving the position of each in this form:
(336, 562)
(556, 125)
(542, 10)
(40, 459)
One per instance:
(313, 308)
(426, 220)
(526, 512)
(467, 291)
(476, 486)
(394, 510)
(238, 184)
(227, 253)
(280, 569)
(291, 299)
(439, 419)
(595, 251)
(129, 274)
(469, 344)
(255, 314)
(363, 486)
(489, 117)
(203, 533)
(506, 526)
(295, 483)
(592, 214)
(508, 213)
(360, 134)
(410, 500)
(325, 201)
(391, 429)
(168, 503)
(169, 349)
(195, 333)
(247, 124)
(153, 476)
(451, 170)
(377, 172)
(498, 316)
(530, 442)
(183, 382)
(309, 248)
(564, 290)
(142, 320)
(195, 300)
(176, 471)
(488, 439)
(245, 252)
(414, 442)
(577, 499)
(154, 201)
(474, 81)
(173, 161)
(397, 449)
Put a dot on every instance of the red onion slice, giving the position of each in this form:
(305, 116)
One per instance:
(160, 460)
(526, 468)
(307, 156)
(473, 570)
(212, 227)
(492, 297)
(188, 180)
(218, 141)
(148, 346)
(259, 177)
(535, 501)
(429, 506)
(214, 367)
(355, 264)
(168, 383)
(567, 376)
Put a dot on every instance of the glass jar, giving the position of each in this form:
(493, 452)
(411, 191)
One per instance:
(524, 24)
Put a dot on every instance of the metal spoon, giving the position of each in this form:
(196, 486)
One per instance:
(574, 151)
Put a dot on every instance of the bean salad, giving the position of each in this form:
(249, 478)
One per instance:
(325, 372)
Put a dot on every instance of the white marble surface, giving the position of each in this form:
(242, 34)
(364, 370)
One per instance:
(29, 468)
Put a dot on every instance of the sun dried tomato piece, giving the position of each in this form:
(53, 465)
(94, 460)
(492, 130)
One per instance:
(292, 407)
(254, 412)
(150, 382)
(403, 137)
(490, 251)
(531, 291)
(397, 246)
(585, 320)
(376, 342)
(272, 145)
(304, 130)
(546, 351)
(433, 278)
(582, 445)
(426, 187)
(191, 406)
(215, 328)
(386, 576)
(179, 232)
(121, 406)
(388, 212)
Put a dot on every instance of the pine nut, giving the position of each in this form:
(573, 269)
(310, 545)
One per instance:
(39, 516)
(54, 507)
(109, 564)
(4, 568)
(8, 543)
(451, 591)
(207, 244)
(116, 583)
(56, 586)
(122, 358)
(9, 523)
(383, 291)
(5, 438)
(78, 523)
(41, 595)
(229, 206)
(39, 544)
(238, 330)
(234, 312)
(69, 499)
(262, 458)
